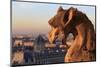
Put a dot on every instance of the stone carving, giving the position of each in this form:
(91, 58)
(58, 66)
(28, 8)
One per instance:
(76, 22)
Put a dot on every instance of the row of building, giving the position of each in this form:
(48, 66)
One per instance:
(38, 50)
(40, 43)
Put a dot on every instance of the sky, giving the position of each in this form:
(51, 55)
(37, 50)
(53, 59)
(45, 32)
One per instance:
(32, 18)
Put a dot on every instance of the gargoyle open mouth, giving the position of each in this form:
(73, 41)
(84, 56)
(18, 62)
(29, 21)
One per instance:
(55, 34)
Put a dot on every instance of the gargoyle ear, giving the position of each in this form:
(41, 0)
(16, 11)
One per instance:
(71, 12)
(60, 9)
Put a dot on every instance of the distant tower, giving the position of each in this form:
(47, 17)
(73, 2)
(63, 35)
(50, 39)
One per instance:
(39, 44)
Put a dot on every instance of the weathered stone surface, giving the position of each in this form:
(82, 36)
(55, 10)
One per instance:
(76, 22)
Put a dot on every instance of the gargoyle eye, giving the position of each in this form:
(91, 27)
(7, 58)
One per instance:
(56, 33)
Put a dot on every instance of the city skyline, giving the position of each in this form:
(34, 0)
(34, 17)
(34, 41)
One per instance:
(32, 18)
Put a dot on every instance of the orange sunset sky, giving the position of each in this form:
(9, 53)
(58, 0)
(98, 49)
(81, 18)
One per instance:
(32, 18)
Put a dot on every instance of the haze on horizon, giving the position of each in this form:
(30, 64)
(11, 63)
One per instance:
(32, 18)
